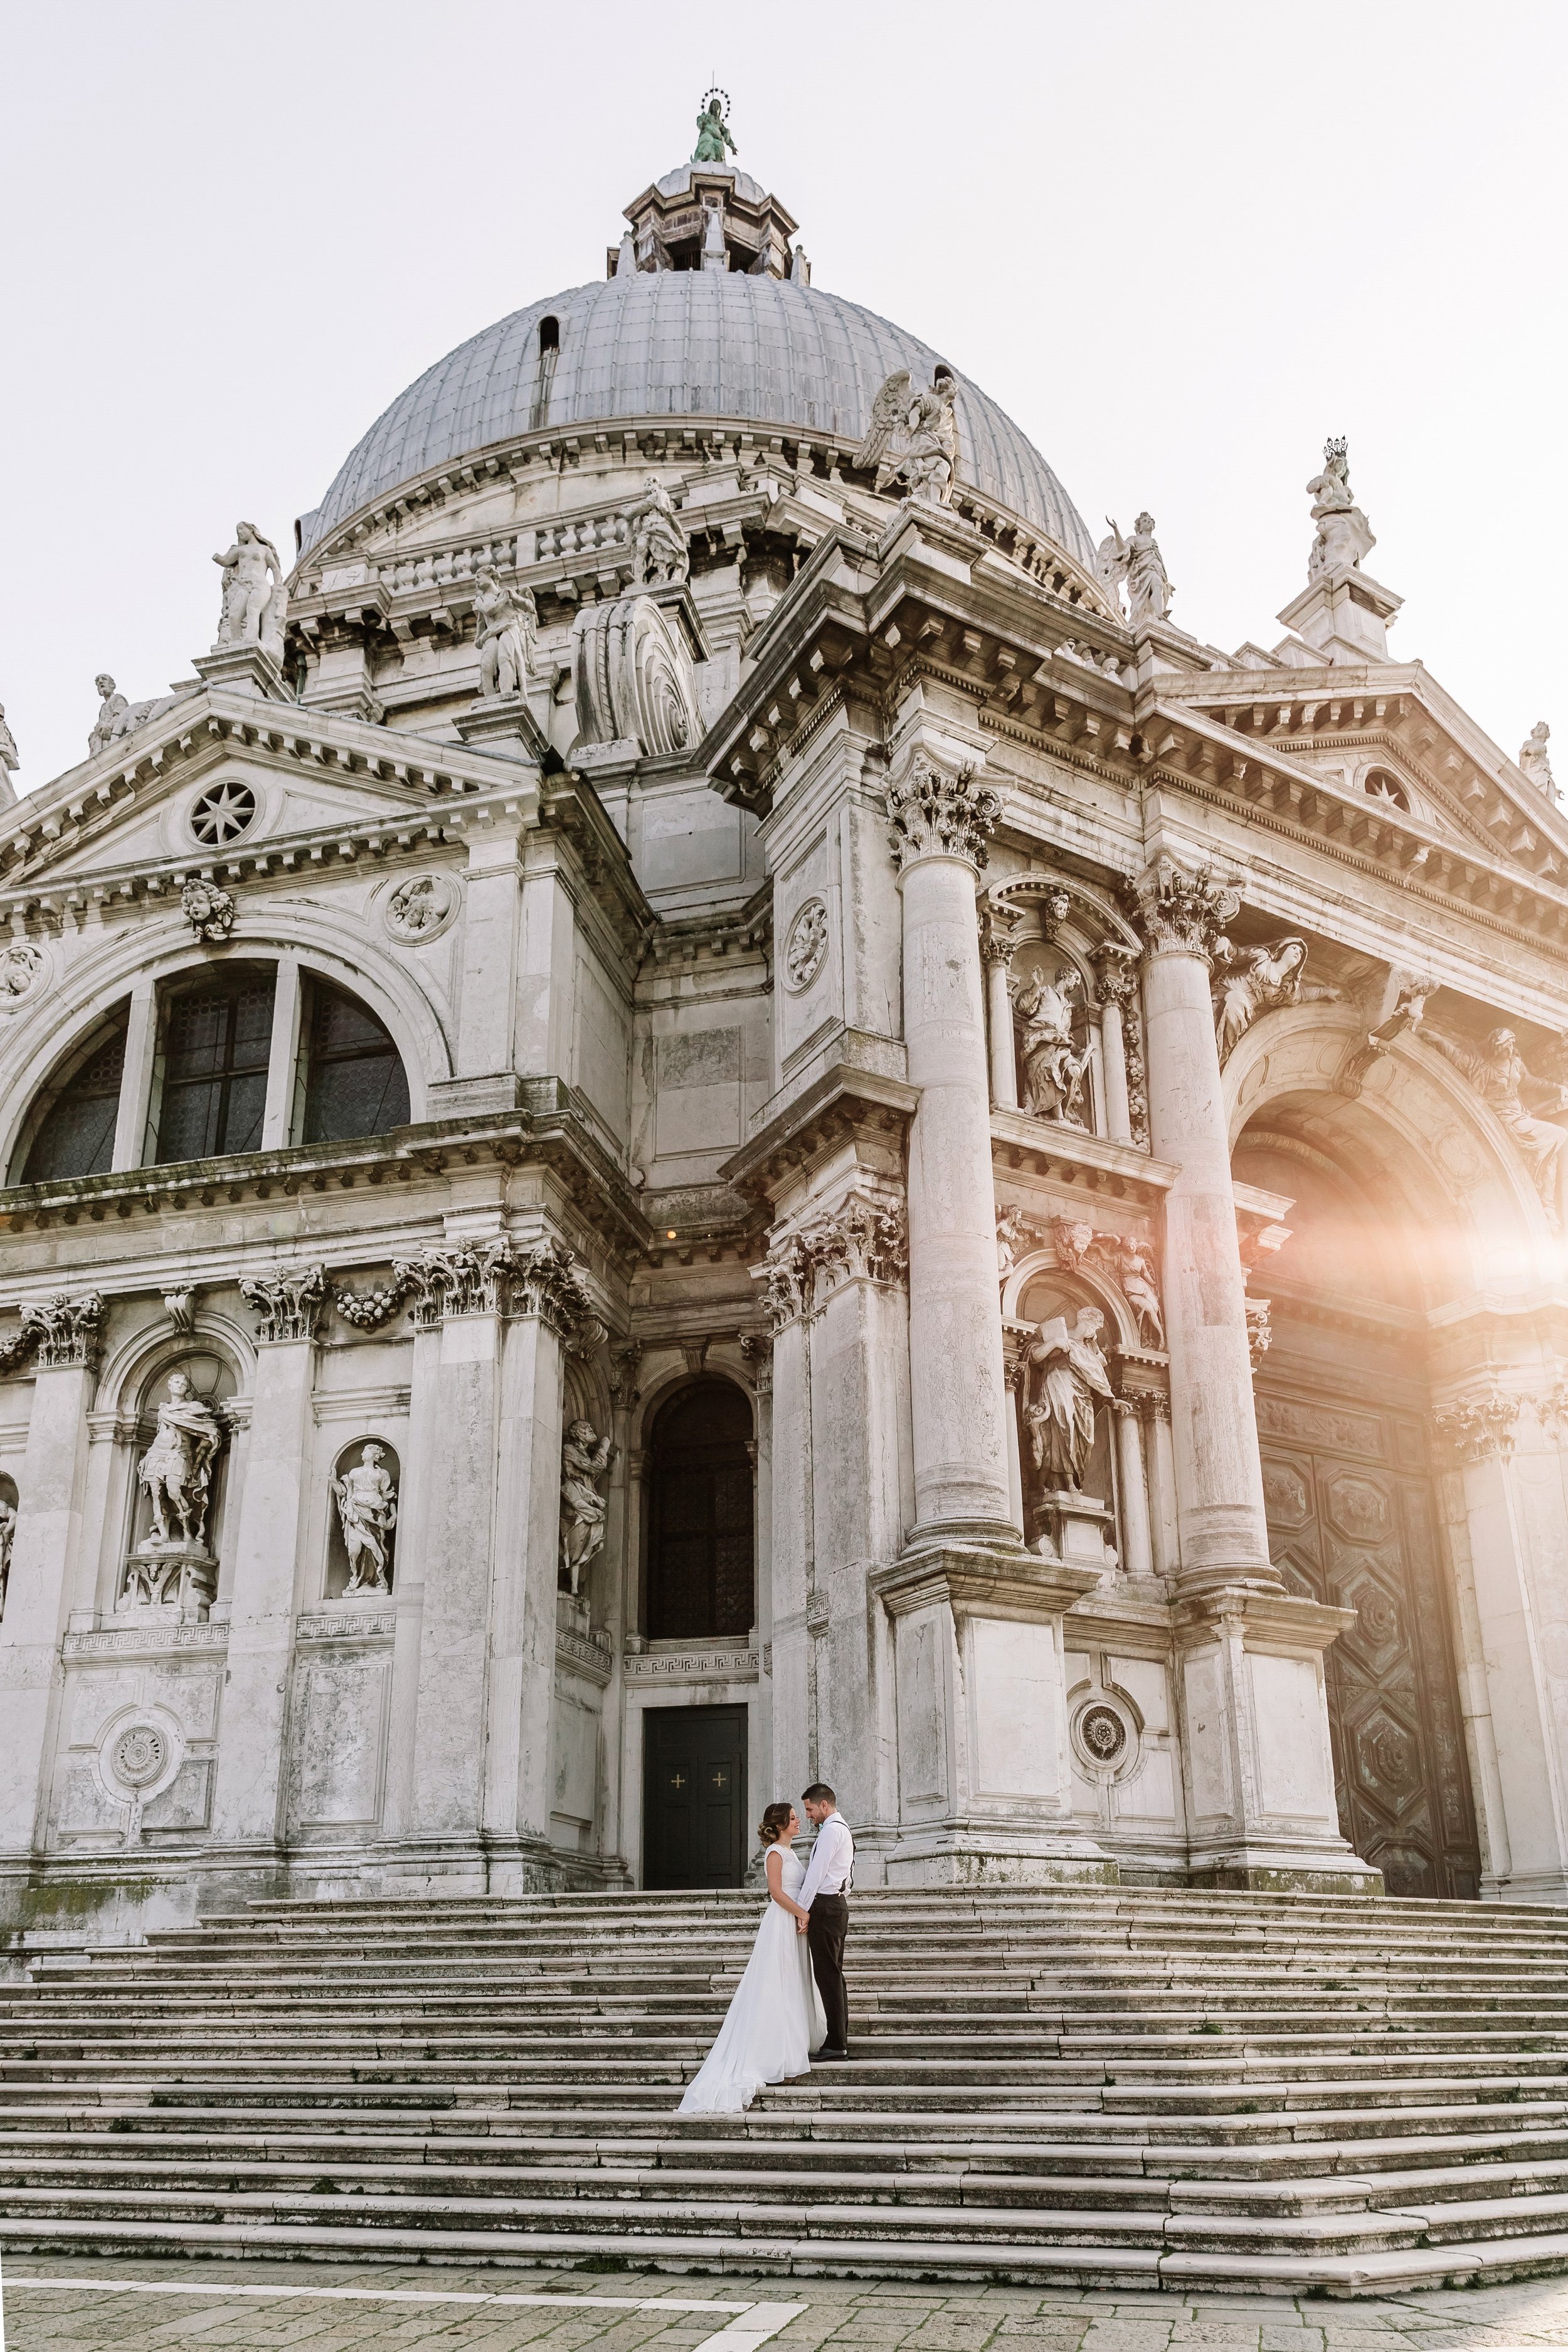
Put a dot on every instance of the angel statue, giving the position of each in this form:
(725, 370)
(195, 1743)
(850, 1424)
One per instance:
(712, 132)
(505, 621)
(177, 1469)
(1250, 980)
(367, 1498)
(1499, 1075)
(1344, 535)
(912, 438)
(252, 588)
(1053, 1067)
(1137, 562)
(10, 758)
(658, 543)
(1066, 1371)
(585, 1456)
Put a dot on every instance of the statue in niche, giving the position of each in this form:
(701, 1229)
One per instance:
(1532, 759)
(1250, 980)
(1132, 1264)
(1138, 563)
(1066, 1371)
(506, 622)
(1053, 1068)
(177, 1469)
(585, 1458)
(252, 588)
(7, 1537)
(658, 544)
(912, 438)
(712, 132)
(1499, 1075)
(1344, 535)
(367, 1498)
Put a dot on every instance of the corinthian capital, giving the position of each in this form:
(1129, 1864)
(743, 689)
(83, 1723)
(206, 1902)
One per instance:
(939, 812)
(1183, 911)
(287, 1306)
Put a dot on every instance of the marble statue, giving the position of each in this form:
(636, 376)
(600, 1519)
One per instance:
(366, 1497)
(658, 543)
(1250, 980)
(113, 715)
(1053, 1068)
(1067, 1371)
(1344, 535)
(9, 757)
(506, 621)
(209, 911)
(252, 587)
(7, 1537)
(177, 1469)
(1499, 1075)
(586, 1457)
(1532, 758)
(1134, 1267)
(1138, 562)
(912, 438)
(712, 132)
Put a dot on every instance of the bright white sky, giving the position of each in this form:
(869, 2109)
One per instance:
(1181, 244)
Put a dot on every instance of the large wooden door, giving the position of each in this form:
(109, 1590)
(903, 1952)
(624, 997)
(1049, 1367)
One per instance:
(1350, 1522)
(694, 1796)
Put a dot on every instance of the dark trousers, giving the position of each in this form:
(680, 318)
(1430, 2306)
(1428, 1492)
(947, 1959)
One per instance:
(827, 1924)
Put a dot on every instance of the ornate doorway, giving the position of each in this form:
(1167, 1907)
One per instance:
(1350, 1522)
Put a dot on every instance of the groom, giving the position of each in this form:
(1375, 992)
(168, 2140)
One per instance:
(824, 1895)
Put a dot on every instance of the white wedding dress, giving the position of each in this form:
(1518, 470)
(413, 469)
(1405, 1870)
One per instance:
(774, 2021)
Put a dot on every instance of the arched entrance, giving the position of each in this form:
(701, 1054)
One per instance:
(1343, 1429)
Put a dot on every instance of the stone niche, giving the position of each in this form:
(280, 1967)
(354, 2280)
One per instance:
(1079, 1529)
(177, 1477)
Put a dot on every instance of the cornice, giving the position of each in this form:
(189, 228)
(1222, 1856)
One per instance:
(1070, 1155)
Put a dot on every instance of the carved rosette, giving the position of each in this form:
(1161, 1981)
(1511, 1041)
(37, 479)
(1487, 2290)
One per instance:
(938, 812)
(287, 1306)
(1480, 1427)
(1184, 912)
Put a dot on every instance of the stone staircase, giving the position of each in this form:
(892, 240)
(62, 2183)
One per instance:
(1121, 2088)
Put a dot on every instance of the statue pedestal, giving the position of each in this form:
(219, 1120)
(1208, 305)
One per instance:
(505, 723)
(179, 1577)
(1073, 1530)
(1344, 616)
(242, 670)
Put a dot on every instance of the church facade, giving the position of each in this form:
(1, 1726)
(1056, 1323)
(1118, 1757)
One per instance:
(712, 1111)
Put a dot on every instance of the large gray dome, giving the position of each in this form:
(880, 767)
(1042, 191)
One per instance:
(684, 343)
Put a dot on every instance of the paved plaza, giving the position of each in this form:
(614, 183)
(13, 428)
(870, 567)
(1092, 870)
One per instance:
(58, 2305)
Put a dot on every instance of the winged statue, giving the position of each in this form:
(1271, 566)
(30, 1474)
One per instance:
(912, 438)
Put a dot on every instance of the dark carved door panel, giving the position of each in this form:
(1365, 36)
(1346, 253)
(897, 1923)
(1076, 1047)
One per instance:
(694, 1796)
(1350, 1522)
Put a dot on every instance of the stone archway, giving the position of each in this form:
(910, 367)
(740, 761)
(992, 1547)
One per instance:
(1343, 1421)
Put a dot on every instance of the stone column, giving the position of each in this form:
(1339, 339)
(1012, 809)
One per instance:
(1137, 1555)
(958, 1405)
(136, 1076)
(47, 1533)
(247, 1788)
(788, 1279)
(1163, 1487)
(997, 942)
(409, 1579)
(1118, 981)
(1219, 1479)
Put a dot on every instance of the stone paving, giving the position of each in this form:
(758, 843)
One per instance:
(146, 2306)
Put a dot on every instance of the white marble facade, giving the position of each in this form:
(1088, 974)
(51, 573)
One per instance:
(866, 1030)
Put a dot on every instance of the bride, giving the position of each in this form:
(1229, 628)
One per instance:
(775, 2019)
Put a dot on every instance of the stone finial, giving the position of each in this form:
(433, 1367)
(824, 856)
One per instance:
(935, 813)
(1183, 911)
(1532, 758)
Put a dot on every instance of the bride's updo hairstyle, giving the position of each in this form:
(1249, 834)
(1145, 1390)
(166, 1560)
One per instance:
(774, 1822)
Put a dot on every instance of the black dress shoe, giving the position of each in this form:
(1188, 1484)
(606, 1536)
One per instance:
(827, 2053)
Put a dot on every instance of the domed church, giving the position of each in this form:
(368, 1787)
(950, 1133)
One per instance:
(714, 1109)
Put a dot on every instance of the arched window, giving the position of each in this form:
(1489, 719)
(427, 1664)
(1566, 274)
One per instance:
(701, 1577)
(549, 336)
(549, 352)
(354, 1081)
(217, 1036)
(75, 1136)
(1379, 786)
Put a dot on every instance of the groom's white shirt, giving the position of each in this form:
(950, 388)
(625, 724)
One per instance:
(832, 1860)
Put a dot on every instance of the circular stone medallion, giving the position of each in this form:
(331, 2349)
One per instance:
(139, 1755)
(419, 909)
(806, 946)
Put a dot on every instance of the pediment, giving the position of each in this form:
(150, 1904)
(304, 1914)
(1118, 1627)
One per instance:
(219, 779)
